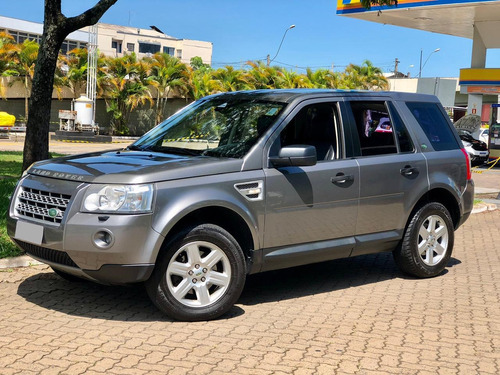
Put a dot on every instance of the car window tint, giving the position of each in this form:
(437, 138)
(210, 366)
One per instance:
(404, 139)
(315, 125)
(434, 124)
(374, 128)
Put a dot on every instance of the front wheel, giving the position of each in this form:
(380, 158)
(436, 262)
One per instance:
(427, 243)
(200, 274)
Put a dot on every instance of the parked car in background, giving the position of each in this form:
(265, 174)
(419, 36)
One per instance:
(246, 182)
(484, 135)
(477, 150)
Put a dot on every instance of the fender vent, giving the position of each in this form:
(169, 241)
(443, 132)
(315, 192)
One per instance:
(253, 191)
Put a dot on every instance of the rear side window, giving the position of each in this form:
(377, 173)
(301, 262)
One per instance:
(404, 139)
(374, 127)
(434, 124)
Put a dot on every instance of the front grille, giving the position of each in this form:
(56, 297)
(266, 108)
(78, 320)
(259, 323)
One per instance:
(53, 256)
(41, 205)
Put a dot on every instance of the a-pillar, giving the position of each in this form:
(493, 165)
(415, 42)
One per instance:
(478, 61)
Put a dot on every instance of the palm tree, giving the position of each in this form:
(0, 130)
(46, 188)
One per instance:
(294, 80)
(230, 79)
(261, 76)
(22, 66)
(167, 73)
(323, 78)
(365, 76)
(119, 82)
(74, 69)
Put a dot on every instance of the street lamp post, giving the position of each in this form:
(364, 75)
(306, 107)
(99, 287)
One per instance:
(422, 66)
(269, 60)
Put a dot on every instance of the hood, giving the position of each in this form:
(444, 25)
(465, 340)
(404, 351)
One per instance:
(133, 167)
(470, 123)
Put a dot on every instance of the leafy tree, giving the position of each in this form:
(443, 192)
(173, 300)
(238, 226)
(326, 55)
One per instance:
(8, 48)
(199, 66)
(56, 28)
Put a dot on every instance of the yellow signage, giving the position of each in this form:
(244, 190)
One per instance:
(479, 77)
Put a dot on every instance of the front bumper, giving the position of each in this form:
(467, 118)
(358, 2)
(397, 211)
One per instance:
(70, 246)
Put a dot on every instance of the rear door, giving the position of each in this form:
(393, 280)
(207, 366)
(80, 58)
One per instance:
(392, 173)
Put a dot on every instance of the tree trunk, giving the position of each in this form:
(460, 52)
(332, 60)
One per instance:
(55, 29)
(36, 146)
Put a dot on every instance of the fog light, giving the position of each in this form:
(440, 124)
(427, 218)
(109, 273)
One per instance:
(103, 239)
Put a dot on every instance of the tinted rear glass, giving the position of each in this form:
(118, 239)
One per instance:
(434, 124)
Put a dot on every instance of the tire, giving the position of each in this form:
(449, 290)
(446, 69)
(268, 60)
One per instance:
(66, 276)
(427, 242)
(199, 275)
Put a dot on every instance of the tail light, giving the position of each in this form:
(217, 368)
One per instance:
(467, 159)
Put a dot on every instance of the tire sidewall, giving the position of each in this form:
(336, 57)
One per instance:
(157, 285)
(419, 218)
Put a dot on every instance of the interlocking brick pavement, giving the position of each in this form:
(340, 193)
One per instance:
(351, 316)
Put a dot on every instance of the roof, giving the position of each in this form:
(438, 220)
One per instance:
(288, 95)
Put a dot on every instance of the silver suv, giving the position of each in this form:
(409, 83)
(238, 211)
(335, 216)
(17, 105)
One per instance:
(246, 182)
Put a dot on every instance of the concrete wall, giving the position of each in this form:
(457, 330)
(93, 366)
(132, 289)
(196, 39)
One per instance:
(141, 120)
(443, 88)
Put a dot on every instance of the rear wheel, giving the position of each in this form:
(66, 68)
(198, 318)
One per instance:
(427, 243)
(199, 276)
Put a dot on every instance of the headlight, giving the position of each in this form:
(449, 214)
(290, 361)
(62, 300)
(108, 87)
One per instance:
(466, 144)
(118, 198)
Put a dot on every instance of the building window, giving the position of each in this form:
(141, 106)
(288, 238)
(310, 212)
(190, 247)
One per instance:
(149, 47)
(72, 46)
(179, 54)
(22, 37)
(64, 48)
(169, 50)
(130, 47)
(117, 45)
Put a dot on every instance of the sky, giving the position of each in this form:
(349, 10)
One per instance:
(249, 30)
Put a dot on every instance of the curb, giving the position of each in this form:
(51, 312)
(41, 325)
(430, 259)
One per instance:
(483, 207)
(20, 261)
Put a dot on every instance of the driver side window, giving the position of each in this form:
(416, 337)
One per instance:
(315, 125)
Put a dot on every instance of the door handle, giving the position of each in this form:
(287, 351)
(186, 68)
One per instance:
(341, 178)
(408, 170)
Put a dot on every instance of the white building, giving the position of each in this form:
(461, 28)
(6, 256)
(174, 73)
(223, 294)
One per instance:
(114, 40)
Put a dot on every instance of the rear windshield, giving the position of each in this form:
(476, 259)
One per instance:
(434, 124)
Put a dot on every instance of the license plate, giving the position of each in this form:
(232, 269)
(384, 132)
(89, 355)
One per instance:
(29, 232)
(483, 153)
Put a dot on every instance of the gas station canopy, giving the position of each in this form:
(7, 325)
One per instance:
(451, 17)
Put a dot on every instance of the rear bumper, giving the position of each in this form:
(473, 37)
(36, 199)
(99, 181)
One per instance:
(467, 203)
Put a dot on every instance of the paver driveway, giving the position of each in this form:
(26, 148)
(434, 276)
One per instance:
(358, 315)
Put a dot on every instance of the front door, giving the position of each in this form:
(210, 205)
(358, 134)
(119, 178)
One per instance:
(311, 211)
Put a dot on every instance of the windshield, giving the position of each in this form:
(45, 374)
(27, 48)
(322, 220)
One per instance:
(219, 127)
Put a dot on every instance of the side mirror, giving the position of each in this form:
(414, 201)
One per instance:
(295, 156)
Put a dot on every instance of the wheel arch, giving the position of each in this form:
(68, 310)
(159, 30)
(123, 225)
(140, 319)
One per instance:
(224, 217)
(443, 196)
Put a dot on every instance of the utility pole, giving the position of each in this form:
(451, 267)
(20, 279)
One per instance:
(268, 59)
(396, 62)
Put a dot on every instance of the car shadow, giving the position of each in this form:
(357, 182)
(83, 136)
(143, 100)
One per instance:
(131, 303)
